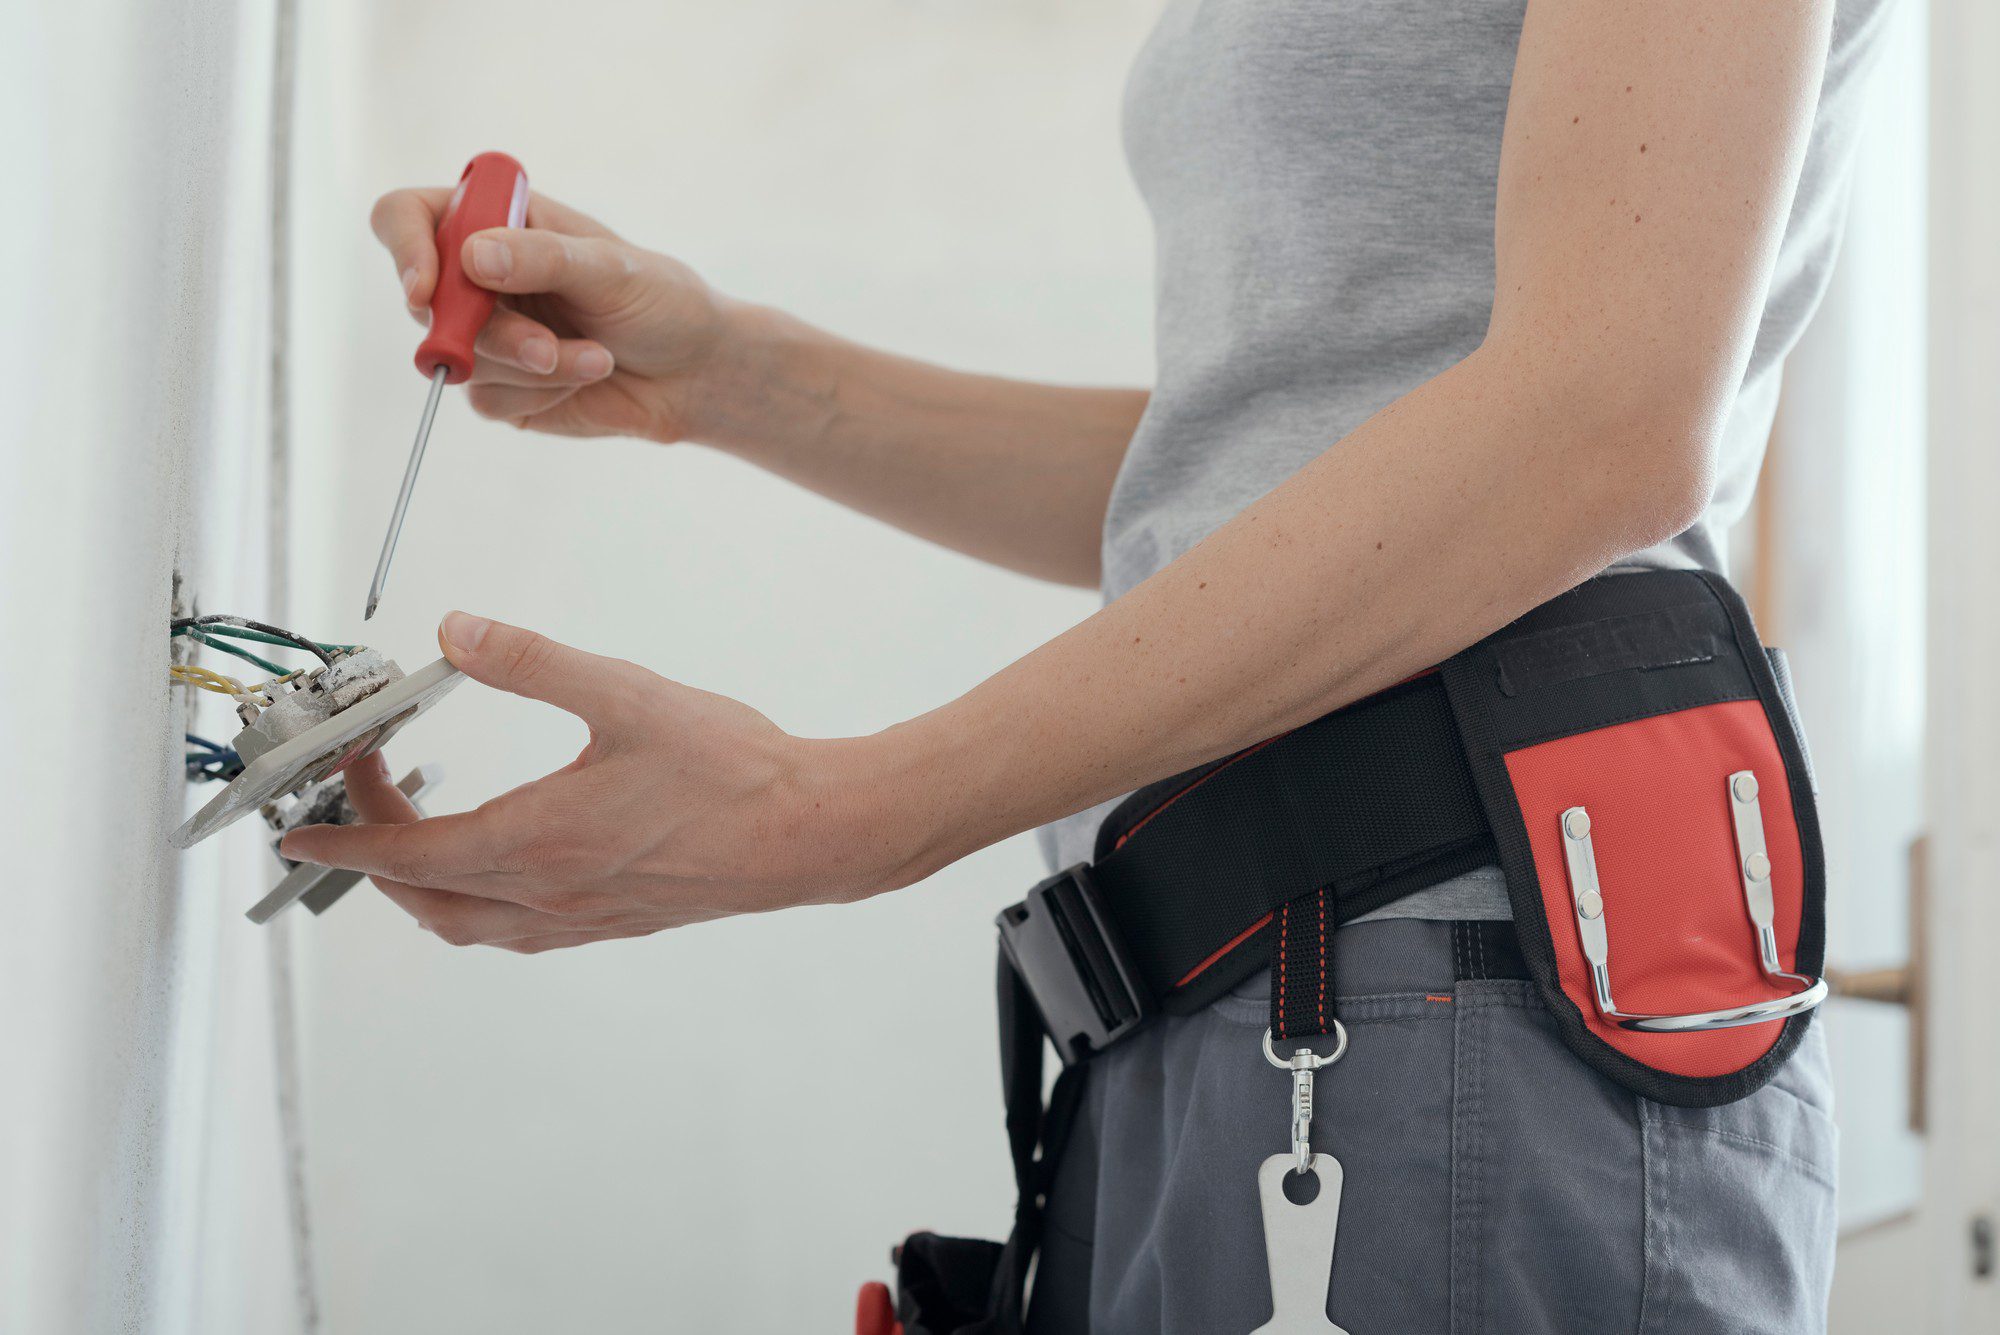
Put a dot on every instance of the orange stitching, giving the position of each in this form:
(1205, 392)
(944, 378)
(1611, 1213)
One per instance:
(1322, 961)
(1284, 933)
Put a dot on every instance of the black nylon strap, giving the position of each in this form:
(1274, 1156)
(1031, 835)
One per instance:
(1035, 1138)
(1369, 803)
(1302, 967)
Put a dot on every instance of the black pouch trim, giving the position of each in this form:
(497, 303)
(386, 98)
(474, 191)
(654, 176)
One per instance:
(1598, 691)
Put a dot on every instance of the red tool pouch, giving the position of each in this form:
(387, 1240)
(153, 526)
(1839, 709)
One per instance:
(1629, 755)
(1649, 795)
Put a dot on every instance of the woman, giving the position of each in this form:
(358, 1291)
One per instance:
(1458, 307)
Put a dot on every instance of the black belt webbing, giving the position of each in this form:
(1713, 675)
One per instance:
(1336, 819)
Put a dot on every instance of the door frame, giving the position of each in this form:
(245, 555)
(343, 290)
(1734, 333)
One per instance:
(1962, 1167)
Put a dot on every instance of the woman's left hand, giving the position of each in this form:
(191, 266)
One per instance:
(684, 806)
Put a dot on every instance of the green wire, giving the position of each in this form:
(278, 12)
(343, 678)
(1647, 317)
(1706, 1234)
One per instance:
(244, 633)
(206, 635)
(239, 652)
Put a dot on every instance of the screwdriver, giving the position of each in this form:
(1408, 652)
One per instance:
(492, 192)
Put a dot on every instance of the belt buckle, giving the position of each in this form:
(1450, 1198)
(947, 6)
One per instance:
(1062, 945)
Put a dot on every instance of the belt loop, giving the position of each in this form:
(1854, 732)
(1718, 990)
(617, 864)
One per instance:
(1302, 986)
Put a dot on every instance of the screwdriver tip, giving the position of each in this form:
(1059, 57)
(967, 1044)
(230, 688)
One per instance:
(369, 615)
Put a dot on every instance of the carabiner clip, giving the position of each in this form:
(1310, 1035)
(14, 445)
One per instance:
(1304, 1063)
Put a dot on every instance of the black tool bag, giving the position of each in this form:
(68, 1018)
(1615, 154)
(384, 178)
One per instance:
(1626, 753)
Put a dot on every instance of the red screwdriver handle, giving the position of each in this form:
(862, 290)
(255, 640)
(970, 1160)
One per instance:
(493, 192)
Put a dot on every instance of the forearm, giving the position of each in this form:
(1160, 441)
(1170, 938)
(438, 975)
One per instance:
(1628, 288)
(1464, 504)
(1009, 471)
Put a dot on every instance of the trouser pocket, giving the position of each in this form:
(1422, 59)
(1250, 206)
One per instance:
(1547, 1218)
(1740, 1208)
(1577, 1206)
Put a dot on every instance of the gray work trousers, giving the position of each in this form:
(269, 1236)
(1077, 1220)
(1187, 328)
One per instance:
(1495, 1185)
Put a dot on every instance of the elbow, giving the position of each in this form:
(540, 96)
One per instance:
(1660, 473)
(1639, 450)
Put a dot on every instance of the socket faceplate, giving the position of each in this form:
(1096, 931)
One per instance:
(320, 750)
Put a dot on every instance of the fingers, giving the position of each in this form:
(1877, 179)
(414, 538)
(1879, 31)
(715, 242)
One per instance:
(597, 690)
(455, 918)
(515, 340)
(467, 920)
(535, 945)
(406, 222)
(592, 272)
(516, 350)
(518, 404)
(375, 799)
(443, 852)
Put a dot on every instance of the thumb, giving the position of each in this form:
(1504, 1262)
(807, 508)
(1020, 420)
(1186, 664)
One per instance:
(594, 272)
(520, 662)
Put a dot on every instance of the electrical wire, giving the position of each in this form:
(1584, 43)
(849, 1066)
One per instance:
(216, 620)
(211, 761)
(207, 761)
(242, 633)
(207, 679)
(235, 650)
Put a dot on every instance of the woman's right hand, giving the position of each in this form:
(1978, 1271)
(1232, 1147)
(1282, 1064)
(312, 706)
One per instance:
(592, 336)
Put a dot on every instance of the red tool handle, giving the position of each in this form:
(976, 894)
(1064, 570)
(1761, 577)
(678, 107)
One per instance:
(493, 192)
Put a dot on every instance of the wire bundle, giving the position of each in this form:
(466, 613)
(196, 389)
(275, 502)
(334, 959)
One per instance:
(222, 684)
(204, 630)
(224, 633)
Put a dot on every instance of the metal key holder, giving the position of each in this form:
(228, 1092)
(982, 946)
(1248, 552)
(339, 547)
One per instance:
(1299, 1238)
(1753, 864)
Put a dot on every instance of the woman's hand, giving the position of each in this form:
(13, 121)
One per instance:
(684, 806)
(595, 337)
(592, 336)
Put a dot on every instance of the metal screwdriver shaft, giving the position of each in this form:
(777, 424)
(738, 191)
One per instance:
(403, 497)
(493, 192)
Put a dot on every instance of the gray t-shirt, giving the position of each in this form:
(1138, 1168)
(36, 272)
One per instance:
(1321, 179)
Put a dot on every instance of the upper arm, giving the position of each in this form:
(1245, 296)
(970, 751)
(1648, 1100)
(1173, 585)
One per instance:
(1647, 170)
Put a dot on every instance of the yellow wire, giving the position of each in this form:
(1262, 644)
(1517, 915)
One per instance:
(189, 674)
(207, 680)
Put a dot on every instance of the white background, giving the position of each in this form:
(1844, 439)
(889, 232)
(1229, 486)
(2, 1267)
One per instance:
(723, 1128)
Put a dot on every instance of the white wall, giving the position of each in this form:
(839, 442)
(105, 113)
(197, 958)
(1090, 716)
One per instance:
(142, 1178)
(723, 1128)
(1848, 476)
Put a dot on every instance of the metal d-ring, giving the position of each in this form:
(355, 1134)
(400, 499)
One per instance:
(1315, 1061)
(1304, 1062)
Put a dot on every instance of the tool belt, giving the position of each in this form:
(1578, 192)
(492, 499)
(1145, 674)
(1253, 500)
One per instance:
(1627, 754)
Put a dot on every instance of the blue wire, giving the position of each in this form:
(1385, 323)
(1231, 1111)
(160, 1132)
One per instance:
(212, 762)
